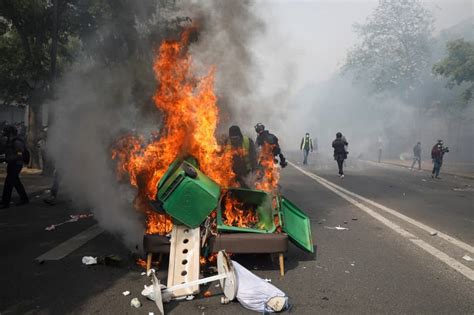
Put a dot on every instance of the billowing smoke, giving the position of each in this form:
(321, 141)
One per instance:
(110, 94)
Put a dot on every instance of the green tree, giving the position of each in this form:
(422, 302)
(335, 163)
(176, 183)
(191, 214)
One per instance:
(394, 46)
(458, 66)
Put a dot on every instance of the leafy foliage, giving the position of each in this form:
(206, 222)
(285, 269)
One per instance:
(458, 66)
(394, 45)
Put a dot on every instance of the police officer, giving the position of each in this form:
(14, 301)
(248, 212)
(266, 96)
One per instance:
(265, 137)
(340, 153)
(15, 155)
(243, 154)
(306, 146)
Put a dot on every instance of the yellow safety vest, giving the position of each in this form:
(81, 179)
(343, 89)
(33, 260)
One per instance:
(245, 151)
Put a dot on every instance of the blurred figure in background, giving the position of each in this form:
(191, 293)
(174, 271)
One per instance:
(437, 154)
(306, 146)
(380, 147)
(416, 156)
(15, 156)
(340, 153)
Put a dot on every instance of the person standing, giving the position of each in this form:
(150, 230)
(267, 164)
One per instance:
(15, 156)
(244, 157)
(340, 153)
(380, 147)
(437, 154)
(416, 156)
(306, 146)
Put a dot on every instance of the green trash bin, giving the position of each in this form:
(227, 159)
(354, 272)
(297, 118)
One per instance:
(257, 201)
(186, 194)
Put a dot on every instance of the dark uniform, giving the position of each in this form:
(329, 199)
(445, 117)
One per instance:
(340, 153)
(14, 150)
(265, 137)
(306, 146)
(244, 157)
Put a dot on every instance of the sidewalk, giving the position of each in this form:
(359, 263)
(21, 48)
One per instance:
(459, 169)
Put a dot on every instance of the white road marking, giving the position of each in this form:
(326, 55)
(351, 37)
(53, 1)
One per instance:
(343, 193)
(67, 247)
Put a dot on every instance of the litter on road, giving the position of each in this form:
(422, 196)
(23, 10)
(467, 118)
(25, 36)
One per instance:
(89, 260)
(135, 303)
(73, 218)
(467, 258)
(434, 233)
(339, 228)
(125, 293)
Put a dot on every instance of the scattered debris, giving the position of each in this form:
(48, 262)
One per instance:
(256, 294)
(190, 297)
(424, 180)
(125, 293)
(217, 285)
(467, 258)
(109, 260)
(224, 300)
(73, 218)
(352, 264)
(354, 219)
(201, 307)
(325, 298)
(433, 233)
(135, 303)
(340, 228)
(143, 273)
(207, 294)
(345, 222)
(268, 280)
(89, 260)
(347, 271)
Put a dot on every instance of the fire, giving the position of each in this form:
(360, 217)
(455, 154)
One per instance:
(269, 172)
(190, 117)
(141, 262)
(236, 214)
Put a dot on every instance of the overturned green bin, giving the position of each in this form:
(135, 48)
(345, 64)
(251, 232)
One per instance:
(186, 194)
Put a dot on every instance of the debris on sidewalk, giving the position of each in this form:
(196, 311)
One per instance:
(73, 218)
(339, 228)
(467, 258)
(433, 233)
(135, 303)
(89, 260)
(354, 219)
(125, 293)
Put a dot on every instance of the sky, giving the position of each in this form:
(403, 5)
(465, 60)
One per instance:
(317, 34)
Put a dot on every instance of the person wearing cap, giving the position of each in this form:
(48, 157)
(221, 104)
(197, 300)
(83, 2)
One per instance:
(340, 153)
(437, 154)
(306, 145)
(265, 137)
(15, 156)
(244, 157)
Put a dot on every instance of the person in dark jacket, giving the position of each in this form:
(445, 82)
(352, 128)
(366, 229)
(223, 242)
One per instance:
(14, 151)
(244, 157)
(416, 156)
(437, 153)
(264, 137)
(306, 145)
(340, 153)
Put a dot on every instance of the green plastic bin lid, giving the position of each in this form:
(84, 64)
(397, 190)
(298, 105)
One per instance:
(296, 224)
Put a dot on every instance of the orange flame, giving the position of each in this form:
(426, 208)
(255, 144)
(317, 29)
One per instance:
(235, 214)
(269, 172)
(190, 117)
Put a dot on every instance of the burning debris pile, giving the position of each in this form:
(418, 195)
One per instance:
(185, 181)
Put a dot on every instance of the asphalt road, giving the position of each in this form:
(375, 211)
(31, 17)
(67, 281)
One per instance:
(387, 261)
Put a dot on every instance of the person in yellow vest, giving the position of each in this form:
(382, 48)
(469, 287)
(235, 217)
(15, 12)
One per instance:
(306, 146)
(244, 155)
